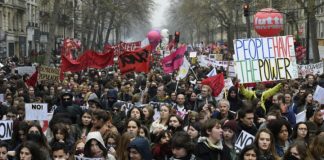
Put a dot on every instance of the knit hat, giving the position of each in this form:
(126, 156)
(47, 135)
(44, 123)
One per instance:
(231, 124)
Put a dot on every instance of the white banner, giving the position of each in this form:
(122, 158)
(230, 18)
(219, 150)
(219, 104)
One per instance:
(184, 69)
(6, 129)
(36, 111)
(25, 70)
(314, 69)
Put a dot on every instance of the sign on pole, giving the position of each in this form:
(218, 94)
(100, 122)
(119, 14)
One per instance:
(49, 73)
(36, 111)
(265, 59)
(6, 129)
(243, 140)
(314, 69)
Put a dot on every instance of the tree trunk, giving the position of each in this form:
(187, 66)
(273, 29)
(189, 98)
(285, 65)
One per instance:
(100, 33)
(230, 38)
(313, 36)
(51, 35)
(111, 23)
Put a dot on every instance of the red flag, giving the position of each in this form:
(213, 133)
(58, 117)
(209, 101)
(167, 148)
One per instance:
(173, 61)
(136, 61)
(216, 83)
(31, 81)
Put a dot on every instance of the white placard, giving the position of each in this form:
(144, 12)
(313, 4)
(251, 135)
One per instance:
(319, 94)
(85, 158)
(26, 70)
(316, 68)
(1, 97)
(36, 111)
(301, 117)
(6, 129)
(193, 54)
(243, 140)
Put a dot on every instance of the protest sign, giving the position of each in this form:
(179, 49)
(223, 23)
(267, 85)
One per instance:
(49, 73)
(193, 54)
(25, 70)
(85, 158)
(1, 97)
(36, 111)
(219, 57)
(316, 68)
(6, 129)
(243, 140)
(319, 94)
(265, 59)
(301, 117)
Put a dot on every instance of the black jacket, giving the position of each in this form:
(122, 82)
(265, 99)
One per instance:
(203, 152)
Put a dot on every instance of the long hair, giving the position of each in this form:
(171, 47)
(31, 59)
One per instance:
(317, 146)
(295, 132)
(43, 140)
(271, 150)
(33, 148)
(123, 144)
(301, 148)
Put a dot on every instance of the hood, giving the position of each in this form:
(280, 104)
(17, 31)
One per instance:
(96, 100)
(142, 146)
(97, 136)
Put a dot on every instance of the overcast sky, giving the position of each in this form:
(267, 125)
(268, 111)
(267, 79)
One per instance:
(159, 13)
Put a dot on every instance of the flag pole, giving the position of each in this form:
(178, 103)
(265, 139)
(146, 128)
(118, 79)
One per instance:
(176, 86)
(193, 73)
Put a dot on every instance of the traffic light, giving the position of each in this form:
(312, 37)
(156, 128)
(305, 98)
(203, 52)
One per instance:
(177, 37)
(246, 8)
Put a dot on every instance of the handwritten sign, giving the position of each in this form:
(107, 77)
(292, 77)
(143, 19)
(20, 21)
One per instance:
(265, 59)
(36, 111)
(316, 68)
(25, 70)
(243, 140)
(6, 129)
(49, 73)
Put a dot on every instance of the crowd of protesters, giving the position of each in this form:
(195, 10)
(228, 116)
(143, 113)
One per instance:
(105, 115)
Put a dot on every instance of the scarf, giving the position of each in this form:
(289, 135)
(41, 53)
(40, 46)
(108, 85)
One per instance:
(210, 145)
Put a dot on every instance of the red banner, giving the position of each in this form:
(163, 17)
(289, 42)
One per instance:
(89, 59)
(135, 61)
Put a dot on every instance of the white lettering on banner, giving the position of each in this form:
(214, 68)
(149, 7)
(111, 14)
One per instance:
(36, 111)
(6, 129)
(316, 68)
(265, 59)
(243, 140)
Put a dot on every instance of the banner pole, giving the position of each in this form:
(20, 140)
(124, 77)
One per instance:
(193, 73)
(176, 86)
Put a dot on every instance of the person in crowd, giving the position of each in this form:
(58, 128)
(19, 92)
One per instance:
(300, 133)
(245, 121)
(11, 114)
(133, 125)
(310, 83)
(126, 92)
(4, 148)
(182, 147)
(136, 113)
(317, 118)
(125, 139)
(78, 149)
(118, 115)
(61, 134)
(84, 125)
(94, 104)
(35, 134)
(224, 112)
(161, 95)
(95, 147)
(144, 132)
(229, 129)
(212, 145)
(101, 121)
(112, 142)
(139, 149)
(285, 111)
(180, 107)
(316, 147)
(148, 112)
(271, 115)
(265, 144)
(67, 106)
(193, 131)
(60, 151)
(192, 102)
(249, 152)
(204, 97)
(20, 130)
(281, 130)
(161, 147)
(298, 151)
(175, 123)
(30, 151)
(234, 99)
(161, 123)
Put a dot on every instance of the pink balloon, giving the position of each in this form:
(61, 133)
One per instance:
(154, 36)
